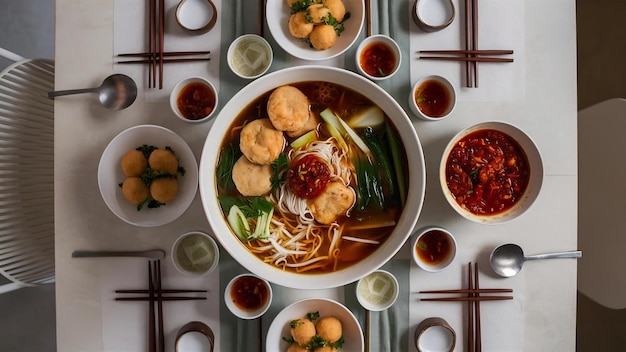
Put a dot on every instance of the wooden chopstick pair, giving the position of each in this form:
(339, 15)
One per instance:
(468, 56)
(156, 295)
(156, 32)
(471, 40)
(473, 297)
(147, 58)
(471, 56)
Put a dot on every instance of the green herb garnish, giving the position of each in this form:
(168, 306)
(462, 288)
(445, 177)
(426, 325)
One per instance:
(224, 174)
(279, 166)
(313, 316)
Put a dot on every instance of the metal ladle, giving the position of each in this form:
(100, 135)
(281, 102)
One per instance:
(117, 92)
(507, 259)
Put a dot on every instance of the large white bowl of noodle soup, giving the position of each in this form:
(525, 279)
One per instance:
(415, 186)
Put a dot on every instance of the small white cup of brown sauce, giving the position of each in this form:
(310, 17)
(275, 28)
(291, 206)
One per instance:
(378, 57)
(433, 248)
(248, 296)
(432, 98)
(194, 99)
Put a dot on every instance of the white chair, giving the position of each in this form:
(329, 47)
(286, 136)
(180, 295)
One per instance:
(26, 172)
(602, 203)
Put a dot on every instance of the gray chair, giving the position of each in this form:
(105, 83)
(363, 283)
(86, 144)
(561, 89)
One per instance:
(26, 172)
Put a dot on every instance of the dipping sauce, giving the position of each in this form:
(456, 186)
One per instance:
(433, 247)
(378, 59)
(196, 100)
(249, 293)
(487, 172)
(433, 98)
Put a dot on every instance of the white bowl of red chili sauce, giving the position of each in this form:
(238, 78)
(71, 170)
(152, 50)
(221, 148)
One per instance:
(432, 98)
(378, 57)
(491, 172)
(194, 99)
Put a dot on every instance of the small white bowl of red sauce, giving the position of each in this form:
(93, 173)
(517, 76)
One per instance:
(433, 248)
(491, 172)
(432, 98)
(248, 296)
(194, 99)
(378, 57)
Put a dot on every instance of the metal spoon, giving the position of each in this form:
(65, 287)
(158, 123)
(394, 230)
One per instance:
(117, 92)
(507, 259)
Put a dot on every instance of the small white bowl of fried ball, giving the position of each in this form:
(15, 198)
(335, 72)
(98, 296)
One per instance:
(146, 168)
(318, 325)
(315, 30)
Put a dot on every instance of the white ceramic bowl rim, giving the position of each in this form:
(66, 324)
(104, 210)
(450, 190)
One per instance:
(110, 175)
(240, 313)
(176, 91)
(277, 18)
(216, 259)
(534, 184)
(416, 171)
(352, 332)
(383, 39)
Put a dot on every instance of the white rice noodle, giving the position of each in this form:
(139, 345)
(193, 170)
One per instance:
(298, 265)
(288, 202)
(336, 236)
(362, 240)
(328, 150)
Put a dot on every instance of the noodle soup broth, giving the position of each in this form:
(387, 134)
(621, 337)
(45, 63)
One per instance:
(360, 157)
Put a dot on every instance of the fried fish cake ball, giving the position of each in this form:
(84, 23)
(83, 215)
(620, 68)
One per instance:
(260, 142)
(337, 8)
(329, 328)
(288, 108)
(318, 13)
(163, 161)
(310, 124)
(294, 347)
(323, 37)
(299, 27)
(327, 348)
(134, 190)
(302, 331)
(134, 163)
(164, 189)
(334, 201)
(291, 2)
(252, 179)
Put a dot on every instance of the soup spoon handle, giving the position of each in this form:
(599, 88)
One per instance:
(570, 254)
(71, 91)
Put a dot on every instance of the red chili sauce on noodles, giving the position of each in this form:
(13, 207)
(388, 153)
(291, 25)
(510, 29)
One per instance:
(487, 172)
